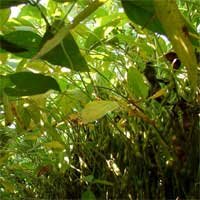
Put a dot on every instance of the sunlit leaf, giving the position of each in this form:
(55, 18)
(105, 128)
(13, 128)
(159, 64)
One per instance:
(4, 15)
(159, 93)
(54, 145)
(31, 137)
(143, 13)
(97, 36)
(179, 36)
(3, 57)
(31, 11)
(38, 66)
(62, 33)
(97, 109)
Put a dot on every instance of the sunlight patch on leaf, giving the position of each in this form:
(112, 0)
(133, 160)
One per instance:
(54, 145)
(97, 109)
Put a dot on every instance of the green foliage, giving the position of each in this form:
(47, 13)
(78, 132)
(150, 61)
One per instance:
(22, 43)
(179, 37)
(92, 105)
(161, 22)
(28, 83)
(136, 85)
(10, 3)
(4, 15)
(67, 54)
(88, 195)
(97, 109)
(148, 19)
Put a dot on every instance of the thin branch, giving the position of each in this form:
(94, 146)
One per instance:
(50, 44)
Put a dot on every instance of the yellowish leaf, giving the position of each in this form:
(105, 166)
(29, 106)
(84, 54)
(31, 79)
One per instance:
(9, 187)
(54, 145)
(176, 29)
(97, 109)
(159, 93)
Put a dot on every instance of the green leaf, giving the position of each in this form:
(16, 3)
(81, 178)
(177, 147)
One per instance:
(88, 195)
(179, 37)
(62, 33)
(136, 84)
(21, 43)
(10, 47)
(31, 11)
(66, 54)
(10, 3)
(54, 145)
(72, 99)
(142, 12)
(4, 15)
(97, 109)
(28, 83)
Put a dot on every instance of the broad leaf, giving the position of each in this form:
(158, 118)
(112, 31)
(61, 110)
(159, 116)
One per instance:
(28, 83)
(31, 11)
(4, 15)
(142, 12)
(136, 84)
(66, 54)
(97, 109)
(54, 145)
(179, 36)
(21, 43)
(10, 47)
(62, 33)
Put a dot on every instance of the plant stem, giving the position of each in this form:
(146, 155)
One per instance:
(53, 42)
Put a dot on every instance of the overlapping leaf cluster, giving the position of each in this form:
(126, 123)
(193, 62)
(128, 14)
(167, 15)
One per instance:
(91, 105)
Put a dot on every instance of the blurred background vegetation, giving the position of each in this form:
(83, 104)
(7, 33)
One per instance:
(122, 126)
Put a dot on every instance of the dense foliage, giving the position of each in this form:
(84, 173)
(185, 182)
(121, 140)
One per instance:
(99, 99)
